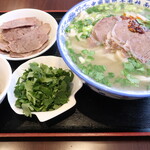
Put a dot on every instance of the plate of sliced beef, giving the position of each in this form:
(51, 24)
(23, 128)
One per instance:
(26, 33)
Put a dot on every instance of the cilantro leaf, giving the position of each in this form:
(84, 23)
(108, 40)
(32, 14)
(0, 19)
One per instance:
(42, 88)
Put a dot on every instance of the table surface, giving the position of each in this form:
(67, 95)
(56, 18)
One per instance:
(109, 143)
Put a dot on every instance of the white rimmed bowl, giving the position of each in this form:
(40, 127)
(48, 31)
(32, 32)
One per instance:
(5, 77)
(50, 61)
(39, 14)
(61, 42)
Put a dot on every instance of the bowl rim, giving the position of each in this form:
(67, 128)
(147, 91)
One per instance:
(84, 77)
(4, 92)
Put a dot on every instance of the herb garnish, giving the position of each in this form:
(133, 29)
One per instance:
(99, 73)
(42, 88)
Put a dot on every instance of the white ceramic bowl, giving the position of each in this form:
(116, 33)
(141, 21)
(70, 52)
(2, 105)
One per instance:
(5, 77)
(50, 61)
(61, 39)
(39, 14)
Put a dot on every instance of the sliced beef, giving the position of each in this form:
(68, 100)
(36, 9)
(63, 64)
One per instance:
(134, 43)
(4, 46)
(44, 29)
(31, 41)
(3, 52)
(29, 21)
(120, 33)
(23, 37)
(15, 33)
(139, 47)
(18, 55)
(92, 42)
(102, 28)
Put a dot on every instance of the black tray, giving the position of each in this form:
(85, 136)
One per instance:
(93, 113)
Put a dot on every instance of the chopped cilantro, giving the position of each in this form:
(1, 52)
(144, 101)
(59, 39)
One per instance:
(111, 75)
(148, 87)
(42, 88)
(134, 66)
(144, 23)
(147, 24)
(77, 38)
(92, 9)
(100, 74)
(132, 79)
(148, 71)
(68, 29)
(81, 26)
(97, 72)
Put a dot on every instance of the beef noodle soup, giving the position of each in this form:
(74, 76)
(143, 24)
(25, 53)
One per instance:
(111, 44)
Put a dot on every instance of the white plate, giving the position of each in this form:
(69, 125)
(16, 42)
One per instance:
(50, 61)
(39, 14)
(5, 77)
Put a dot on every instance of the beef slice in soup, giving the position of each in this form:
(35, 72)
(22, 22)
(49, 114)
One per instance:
(102, 28)
(139, 46)
(115, 34)
(120, 33)
(133, 43)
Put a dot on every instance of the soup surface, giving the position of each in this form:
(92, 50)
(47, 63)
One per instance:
(111, 44)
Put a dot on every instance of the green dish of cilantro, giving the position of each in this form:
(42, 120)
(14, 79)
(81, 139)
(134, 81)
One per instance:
(42, 88)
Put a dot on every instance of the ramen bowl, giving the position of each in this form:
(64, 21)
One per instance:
(112, 92)
(5, 77)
